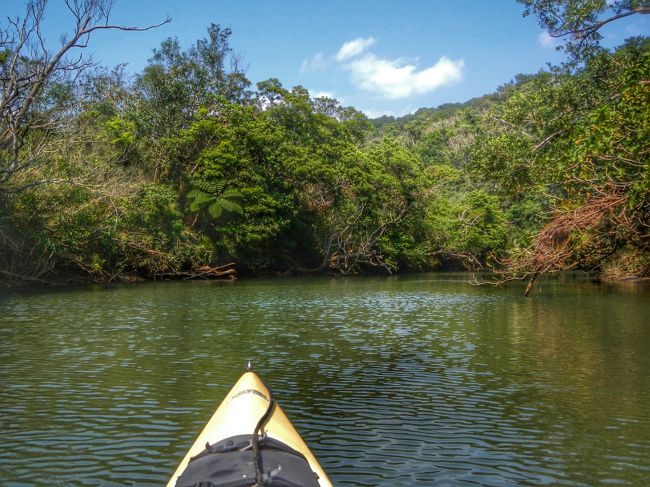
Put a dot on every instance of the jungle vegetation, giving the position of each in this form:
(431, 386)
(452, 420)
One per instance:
(186, 166)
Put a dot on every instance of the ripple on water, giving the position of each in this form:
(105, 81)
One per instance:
(393, 382)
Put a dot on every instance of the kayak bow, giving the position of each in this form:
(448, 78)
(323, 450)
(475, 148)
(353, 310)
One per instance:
(249, 437)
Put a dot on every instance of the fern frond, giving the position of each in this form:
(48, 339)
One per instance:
(195, 193)
(202, 185)
(212, 195)
(200, 199)
(215, 209)
(231, 194)
(230, 206)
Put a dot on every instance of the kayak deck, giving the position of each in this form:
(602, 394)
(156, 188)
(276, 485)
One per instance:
(239, 413)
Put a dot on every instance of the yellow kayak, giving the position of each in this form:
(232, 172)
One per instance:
(249, 441)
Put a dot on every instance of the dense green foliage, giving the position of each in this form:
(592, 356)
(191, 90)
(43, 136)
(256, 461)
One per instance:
(185, 166)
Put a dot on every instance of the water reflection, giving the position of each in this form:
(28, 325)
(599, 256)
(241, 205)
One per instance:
(399, 381)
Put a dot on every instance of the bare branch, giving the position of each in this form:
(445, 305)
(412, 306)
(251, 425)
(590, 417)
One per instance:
(32, 67)
(592, 28)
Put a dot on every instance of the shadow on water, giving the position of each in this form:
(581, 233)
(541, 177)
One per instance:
(393, 381)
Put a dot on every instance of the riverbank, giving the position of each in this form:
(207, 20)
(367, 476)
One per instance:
(70, 280)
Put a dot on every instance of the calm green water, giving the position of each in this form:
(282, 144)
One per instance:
(392, 381)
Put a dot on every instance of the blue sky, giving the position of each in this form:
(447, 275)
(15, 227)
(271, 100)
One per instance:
(383, 57)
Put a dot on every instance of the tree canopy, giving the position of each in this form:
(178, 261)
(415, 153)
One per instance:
(579, 21)
(186, 165)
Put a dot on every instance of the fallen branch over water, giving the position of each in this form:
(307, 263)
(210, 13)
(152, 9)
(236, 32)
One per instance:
(558, 247)
(13, 276)
(226, 271)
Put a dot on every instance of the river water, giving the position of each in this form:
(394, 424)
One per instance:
(411, 380)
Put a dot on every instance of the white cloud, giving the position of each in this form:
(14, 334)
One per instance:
(354, 48)
(399, 79)
(371, 113)
(388, 78)
(321, 94)
(317, 63)
(546, 40)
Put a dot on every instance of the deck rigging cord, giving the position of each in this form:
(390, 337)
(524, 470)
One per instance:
(257, 459)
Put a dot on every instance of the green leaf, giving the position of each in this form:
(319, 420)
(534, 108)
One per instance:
(215, 210)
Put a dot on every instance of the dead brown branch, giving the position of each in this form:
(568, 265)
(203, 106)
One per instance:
(557, 248)
(226, 271)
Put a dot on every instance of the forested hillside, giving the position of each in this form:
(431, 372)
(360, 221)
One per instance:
(184, 165)
(562, 154)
